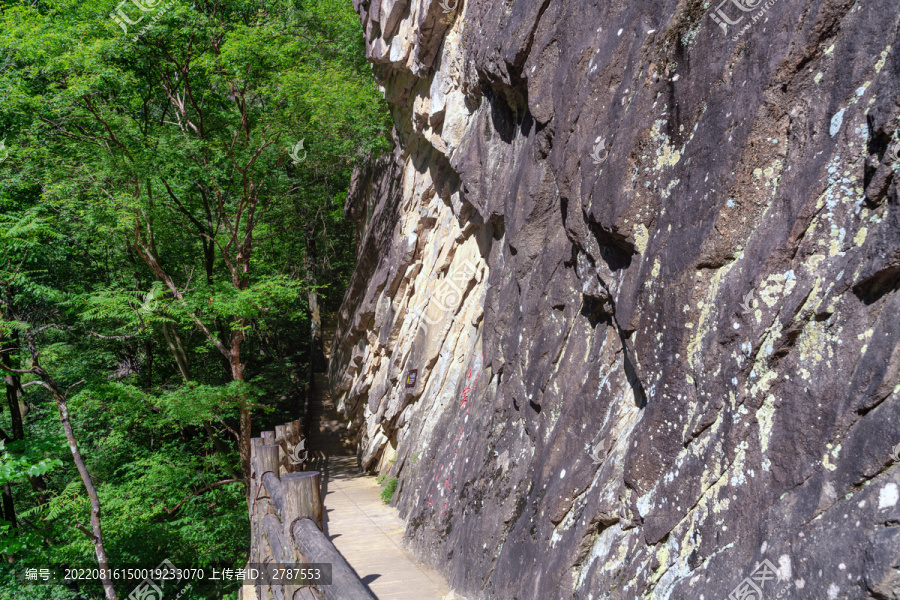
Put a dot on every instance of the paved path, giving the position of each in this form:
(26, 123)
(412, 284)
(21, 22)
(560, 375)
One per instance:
(366, 531)
(369, 534)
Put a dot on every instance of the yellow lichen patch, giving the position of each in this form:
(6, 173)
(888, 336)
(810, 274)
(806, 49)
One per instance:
(669, 157)
(705, 318)
(814, 343)
(771, 289)
(865, 336)
(880, 63)
(765, 381)
(826, 459)
(665, 192)
(860, 236)
(662, 555)
(813, 262)
(834, 247)
(765, 416)
(655, 271)
(641, 237)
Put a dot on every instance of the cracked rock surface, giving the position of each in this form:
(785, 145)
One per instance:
(626, 318)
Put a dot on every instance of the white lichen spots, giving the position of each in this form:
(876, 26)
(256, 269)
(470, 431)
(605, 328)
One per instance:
(836, 121)
(784, 567)
(562, 474)
(888, 496)
(833, 591)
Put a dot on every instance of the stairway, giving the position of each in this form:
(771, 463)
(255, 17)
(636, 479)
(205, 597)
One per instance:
(327, 428)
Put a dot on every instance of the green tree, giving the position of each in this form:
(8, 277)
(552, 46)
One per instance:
(168, 241)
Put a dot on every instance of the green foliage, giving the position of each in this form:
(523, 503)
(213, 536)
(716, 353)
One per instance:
(113, 140)
(20, 460)
(389, 486)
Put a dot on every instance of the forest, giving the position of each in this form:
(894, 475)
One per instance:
(171, 237)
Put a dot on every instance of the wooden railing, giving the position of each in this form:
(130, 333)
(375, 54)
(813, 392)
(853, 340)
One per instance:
(286, 519)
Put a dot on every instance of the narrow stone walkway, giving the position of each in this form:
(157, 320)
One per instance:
(369, 534)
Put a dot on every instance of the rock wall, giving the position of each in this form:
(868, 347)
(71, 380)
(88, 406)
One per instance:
(626, 316)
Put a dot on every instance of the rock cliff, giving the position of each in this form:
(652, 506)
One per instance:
(626, 318)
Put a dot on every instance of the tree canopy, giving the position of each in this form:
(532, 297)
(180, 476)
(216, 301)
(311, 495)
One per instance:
(171, 185)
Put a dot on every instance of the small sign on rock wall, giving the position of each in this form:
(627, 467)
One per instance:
(411, 378)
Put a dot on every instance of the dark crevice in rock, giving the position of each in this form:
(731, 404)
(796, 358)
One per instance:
(874, 288)
(615, 249)
(640, 396)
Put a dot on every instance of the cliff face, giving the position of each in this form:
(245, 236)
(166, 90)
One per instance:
(642, 261)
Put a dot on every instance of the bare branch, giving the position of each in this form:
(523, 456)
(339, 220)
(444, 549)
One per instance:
(73, 385)
(82, 529)
(16, 371)
(113, 337)
(233, 432)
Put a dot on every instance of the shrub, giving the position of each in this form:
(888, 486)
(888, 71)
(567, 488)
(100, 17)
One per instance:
(390, 486)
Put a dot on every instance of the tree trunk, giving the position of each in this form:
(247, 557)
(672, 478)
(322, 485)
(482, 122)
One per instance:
(14, 391)
(316, 358)
(237, 374)
(177, 348)
(316, 355)
(9, 514)
(97, 533)
(148, 348)
(14, 394)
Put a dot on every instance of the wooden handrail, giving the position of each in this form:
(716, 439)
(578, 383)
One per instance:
(273, 486)
(317, 548)
(286, 520)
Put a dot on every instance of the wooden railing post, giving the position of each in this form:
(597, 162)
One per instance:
(268, 459)
(287, 520)
(302, 498)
